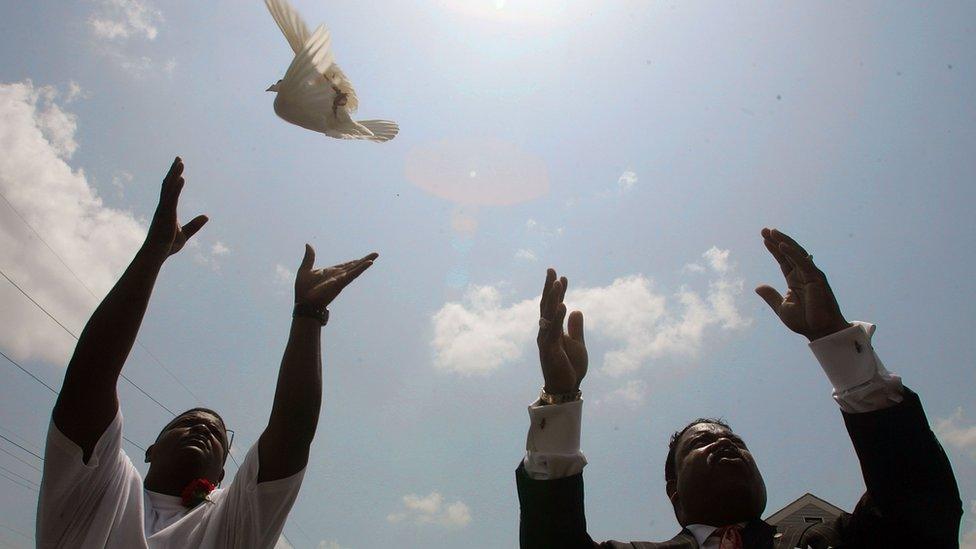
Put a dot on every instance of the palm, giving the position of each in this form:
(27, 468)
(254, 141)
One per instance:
(563, 356)
(165, 233)
(321, 286)
(809, 307)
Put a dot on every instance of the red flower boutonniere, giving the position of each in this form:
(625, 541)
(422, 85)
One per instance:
(196, 492)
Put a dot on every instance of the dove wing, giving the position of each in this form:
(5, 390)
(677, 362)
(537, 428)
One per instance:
(382, 130)
(303, 95)
(341, 81)
(290, 22)
(296, 32)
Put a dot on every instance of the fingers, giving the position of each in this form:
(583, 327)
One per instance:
(354, 262)
(194, 225)
(771, 297)
(799, 257)
(550, 302)
(544, 302)
(779, 256)
(555, 330)
(308, 260)
(783, 237)
(345, 278)
(563, 284)
(576, 326)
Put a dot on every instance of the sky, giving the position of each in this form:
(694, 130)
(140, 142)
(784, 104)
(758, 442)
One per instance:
(637, 147)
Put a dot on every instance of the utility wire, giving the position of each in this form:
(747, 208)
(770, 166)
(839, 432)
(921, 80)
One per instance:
(22, 448)
(95, 297)
(17, 482)
(25, 479)
(20, 459)
(53, 390)
(72, 334)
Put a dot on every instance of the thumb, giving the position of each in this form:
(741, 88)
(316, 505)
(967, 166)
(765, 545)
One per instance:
(576, 326)
(771, 297)
(309, 258)
(194, 225)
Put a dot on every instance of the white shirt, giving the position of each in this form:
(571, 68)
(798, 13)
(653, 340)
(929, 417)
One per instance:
(860, 381)
(103, 503)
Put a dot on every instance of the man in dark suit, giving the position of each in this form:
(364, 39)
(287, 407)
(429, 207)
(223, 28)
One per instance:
(711, 479)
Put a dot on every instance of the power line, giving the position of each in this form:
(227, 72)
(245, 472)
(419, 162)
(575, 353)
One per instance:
(25, 479)
(94, 296)
(17, 482)
(22, 448)
(26, 371)
(18, 532)
(20, 459)
(72, 334)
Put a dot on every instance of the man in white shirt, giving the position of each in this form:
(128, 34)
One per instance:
(91, 494)
(711, 478)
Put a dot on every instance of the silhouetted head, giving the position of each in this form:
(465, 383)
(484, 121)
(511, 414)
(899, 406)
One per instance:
(193, 445)
(711, 477)
(274, 87)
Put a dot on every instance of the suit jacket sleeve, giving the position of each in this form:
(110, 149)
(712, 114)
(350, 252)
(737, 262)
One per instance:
(912, 499)
(551, 512)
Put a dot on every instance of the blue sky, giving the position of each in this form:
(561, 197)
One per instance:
(637, 147)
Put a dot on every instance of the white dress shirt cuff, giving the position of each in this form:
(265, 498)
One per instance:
(861, 382)
(553, 443)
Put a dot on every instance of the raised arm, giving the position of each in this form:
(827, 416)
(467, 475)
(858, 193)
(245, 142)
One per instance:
(912, 499)
(88, 401)
(284, 444)
(549, 479)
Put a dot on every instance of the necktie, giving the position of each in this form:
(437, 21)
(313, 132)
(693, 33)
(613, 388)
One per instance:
(730, 537)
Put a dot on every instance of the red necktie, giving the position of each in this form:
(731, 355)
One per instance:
(730, 537)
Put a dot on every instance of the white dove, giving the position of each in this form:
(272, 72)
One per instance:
(315, 94)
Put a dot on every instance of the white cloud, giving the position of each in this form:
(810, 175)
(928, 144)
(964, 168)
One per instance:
(74, 92)
(330, 544)
(638, 322)
(633, 393)
(430, 509)
(693, 268)
(957, 433)
(209, 258)
(283, 275)
(119, 26)
(717, 259)
(534, 226)
(627, 180)
(219, 248)
(121, 19)
(526, 254)
(94, 240)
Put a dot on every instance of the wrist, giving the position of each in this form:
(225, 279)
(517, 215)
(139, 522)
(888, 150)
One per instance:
(310, 312)
(548, 397)
(839, 326)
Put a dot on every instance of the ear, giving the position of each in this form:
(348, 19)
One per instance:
(672, 490)
(149, 453)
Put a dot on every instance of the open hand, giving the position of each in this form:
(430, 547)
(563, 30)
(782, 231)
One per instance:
(809, 307)
(165, 233)
(320, 286)
(563, 356)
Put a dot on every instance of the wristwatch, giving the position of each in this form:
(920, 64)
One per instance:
(307, 310)
(559, 398)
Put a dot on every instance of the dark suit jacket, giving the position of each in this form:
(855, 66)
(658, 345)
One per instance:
(911, 499)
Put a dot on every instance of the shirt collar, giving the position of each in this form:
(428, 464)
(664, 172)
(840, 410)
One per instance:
(702, 531)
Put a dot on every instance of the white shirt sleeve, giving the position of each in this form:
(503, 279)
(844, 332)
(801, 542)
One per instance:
(248, 513)
(553, 444)
(94, 504)
(861, 382)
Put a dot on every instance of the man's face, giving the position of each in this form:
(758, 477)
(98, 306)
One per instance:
(717, 478)
(196, 439)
